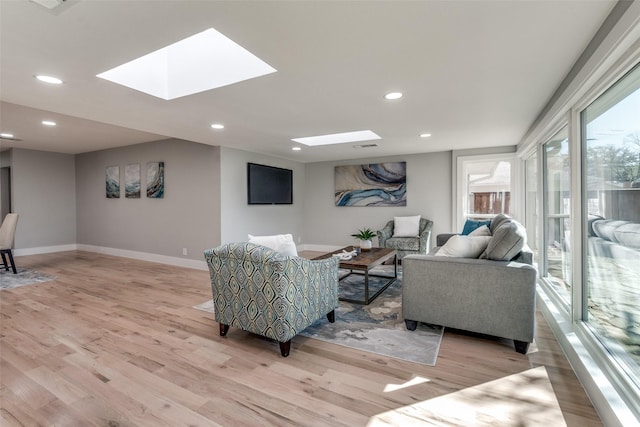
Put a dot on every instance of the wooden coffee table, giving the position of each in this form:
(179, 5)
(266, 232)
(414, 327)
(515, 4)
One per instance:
(363, 263)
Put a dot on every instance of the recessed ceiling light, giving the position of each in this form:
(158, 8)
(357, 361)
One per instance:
(49, 79)
(217, 126)
(425, 135)
(6, 135)
(204, 61)
(48, 123)
(296, 148)
(338, 138)
(393, 95)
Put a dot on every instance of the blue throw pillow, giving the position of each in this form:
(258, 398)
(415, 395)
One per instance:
(471, 225)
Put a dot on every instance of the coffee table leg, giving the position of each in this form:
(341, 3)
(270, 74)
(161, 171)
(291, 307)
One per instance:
(367, 300)
(366, 286)
(395, 266)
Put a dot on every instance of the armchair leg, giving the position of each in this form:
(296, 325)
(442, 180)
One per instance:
(223, 329)
(13, 263)
(5, 264)
(285, 347)
(411, 324)
(331, 316)
(521, 346)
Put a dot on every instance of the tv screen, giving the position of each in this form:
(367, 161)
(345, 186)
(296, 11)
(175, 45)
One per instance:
(268, 185)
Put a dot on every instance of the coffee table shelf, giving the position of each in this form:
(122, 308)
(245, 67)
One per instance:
(362, 264)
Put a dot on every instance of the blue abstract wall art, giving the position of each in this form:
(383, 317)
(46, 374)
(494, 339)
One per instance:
(112, 182)
(155, 180)
(132, 181)
(374, 184)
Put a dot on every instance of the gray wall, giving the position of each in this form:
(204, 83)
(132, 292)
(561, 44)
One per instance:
(429, 194)
(205, 201)
(44, 195)
(187, 217)
(239, 218)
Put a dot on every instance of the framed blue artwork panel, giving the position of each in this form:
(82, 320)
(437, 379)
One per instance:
(155, 180)
(373, 184)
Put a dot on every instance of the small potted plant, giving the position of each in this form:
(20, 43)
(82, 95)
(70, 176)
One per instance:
(365, 235)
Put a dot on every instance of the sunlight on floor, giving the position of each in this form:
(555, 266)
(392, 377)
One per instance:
(524, 399)
(412, 382)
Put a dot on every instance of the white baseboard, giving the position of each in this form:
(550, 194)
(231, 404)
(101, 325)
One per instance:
(45, 250)
(144, 256)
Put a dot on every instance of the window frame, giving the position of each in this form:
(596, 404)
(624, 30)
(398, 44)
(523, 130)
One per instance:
(516, 183)
(570, 329)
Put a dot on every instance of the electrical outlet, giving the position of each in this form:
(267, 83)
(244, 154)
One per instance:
(184, 251)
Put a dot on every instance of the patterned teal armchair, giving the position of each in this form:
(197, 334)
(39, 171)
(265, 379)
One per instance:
(418, 245)
(265, 292)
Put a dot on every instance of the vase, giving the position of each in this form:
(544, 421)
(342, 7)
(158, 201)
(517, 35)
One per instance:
(365, 245)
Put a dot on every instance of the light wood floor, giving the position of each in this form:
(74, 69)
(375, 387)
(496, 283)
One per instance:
(116, 342)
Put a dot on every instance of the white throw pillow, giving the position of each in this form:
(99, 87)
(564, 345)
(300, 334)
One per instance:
(406, 226)
(464, 246)
(481, 231)
(282, 243)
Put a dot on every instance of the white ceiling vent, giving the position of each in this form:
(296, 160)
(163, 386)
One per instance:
(54, 6)
(365, 145)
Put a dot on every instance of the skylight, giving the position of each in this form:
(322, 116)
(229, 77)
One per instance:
(338, 138)
(204, 61)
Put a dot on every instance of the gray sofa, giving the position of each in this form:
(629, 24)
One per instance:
(613, 275)
(488, 296)
(614, 239)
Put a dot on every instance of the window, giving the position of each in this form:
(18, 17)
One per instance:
(485, 186)
(557, 221)
(531, 204)
(611, 201)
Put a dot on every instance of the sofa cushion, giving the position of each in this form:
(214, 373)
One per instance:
(406, 226)
(403, 243)
(506, 242)
(628, 235)
(470, 225)
(282, 243)
(497, 222)
(591, 219)
(464, 246)
(607, 228)
(481, 231)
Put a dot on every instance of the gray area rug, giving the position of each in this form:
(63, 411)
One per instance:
(25, 276)
(377, 327)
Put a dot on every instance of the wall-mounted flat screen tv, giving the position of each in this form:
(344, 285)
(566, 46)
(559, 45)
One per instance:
(269, 185)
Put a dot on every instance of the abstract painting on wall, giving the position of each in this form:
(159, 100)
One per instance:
(155, 180)
(112, 182)
(375, 184)
(132, 181)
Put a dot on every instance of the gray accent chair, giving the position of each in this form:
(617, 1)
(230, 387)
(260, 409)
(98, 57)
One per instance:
(406, 245)
(269, 293)
(485, 296)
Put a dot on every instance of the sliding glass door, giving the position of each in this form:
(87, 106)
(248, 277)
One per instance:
(611, 214)
(557, 209)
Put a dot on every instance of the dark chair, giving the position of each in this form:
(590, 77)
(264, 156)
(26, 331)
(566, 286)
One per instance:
(7, 236)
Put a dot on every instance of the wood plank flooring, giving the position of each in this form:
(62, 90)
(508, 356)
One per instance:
(115, 342)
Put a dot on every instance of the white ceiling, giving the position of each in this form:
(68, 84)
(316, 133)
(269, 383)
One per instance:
(474, 73)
